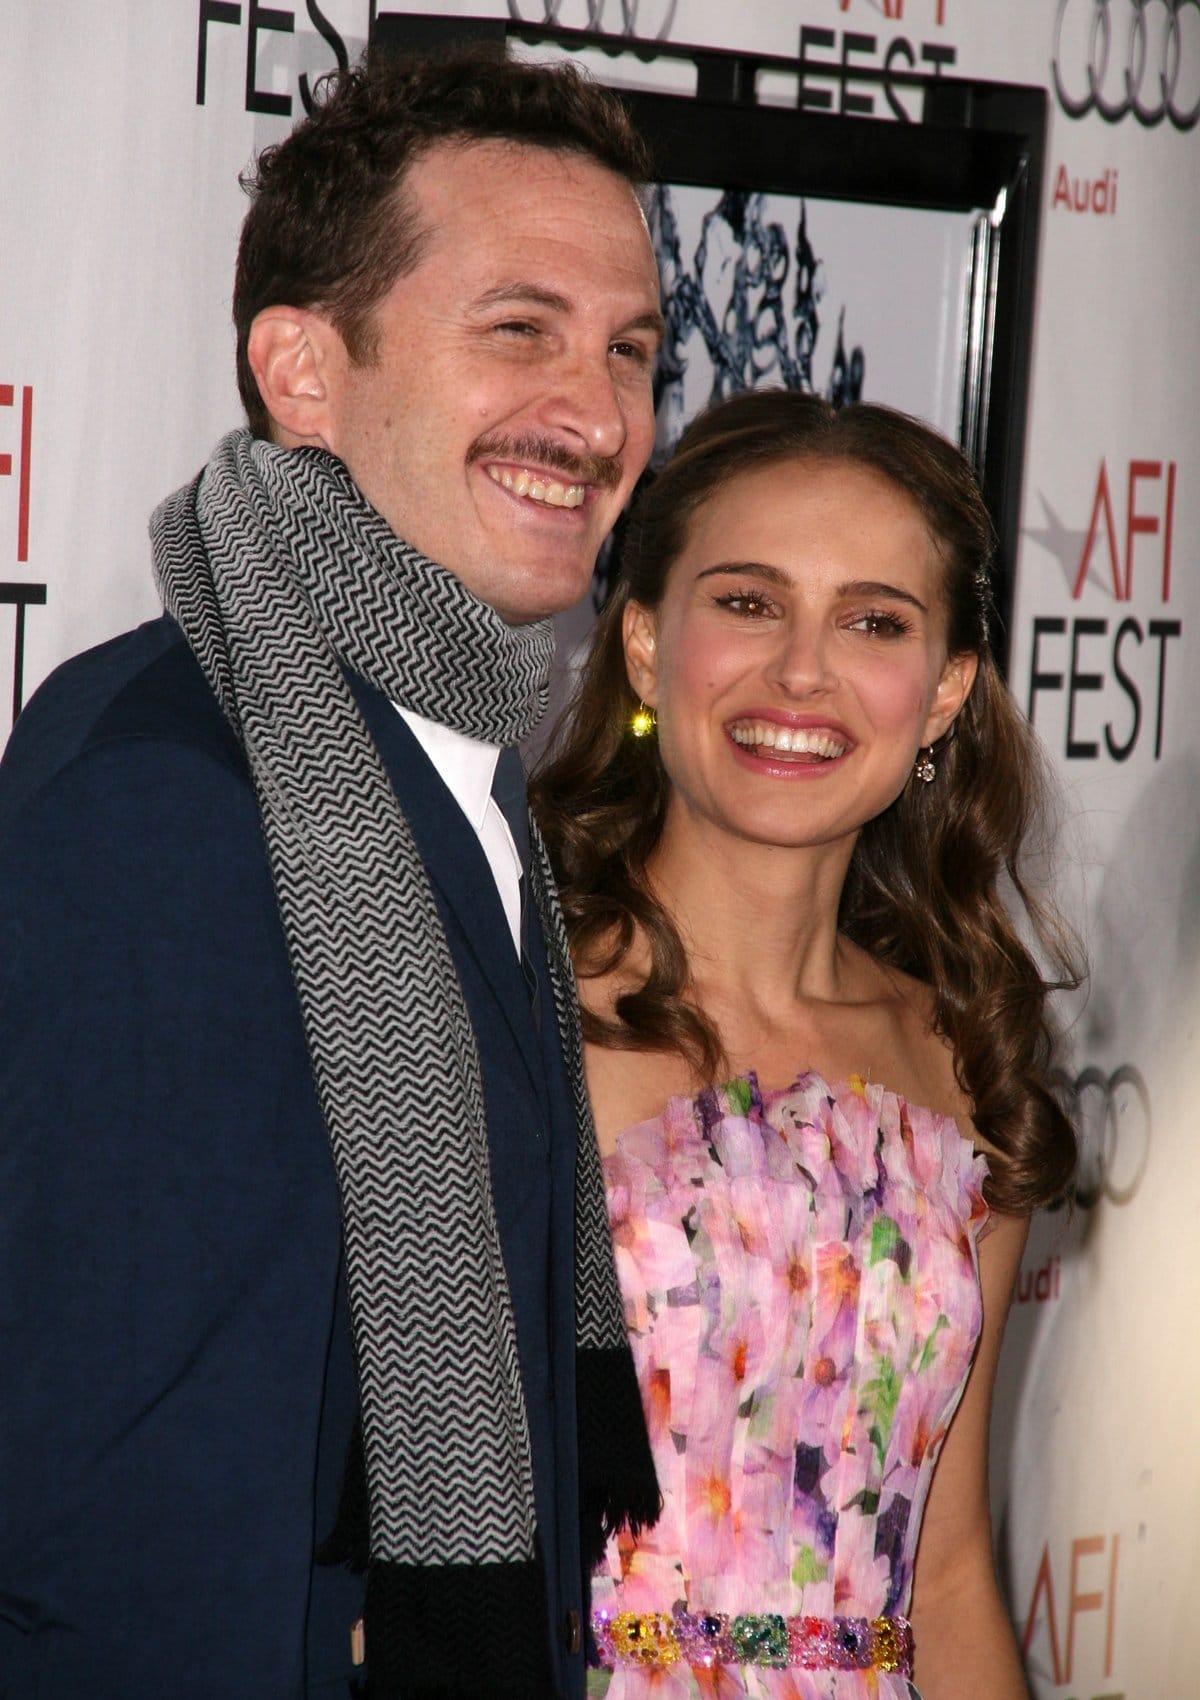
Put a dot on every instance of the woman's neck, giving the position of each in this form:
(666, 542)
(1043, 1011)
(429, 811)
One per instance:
(757, 921)
(770, 971)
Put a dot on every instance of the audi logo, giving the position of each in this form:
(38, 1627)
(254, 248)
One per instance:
(1111, 1113)
(590, 15)
(1116, 57)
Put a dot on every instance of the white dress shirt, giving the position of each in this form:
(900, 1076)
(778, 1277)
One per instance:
(467, 767)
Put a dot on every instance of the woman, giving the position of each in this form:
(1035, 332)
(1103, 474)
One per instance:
(790, 886)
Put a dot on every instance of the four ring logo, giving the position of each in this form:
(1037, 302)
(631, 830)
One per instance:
(1111, 1113)
(589, 15)
(1115, 57)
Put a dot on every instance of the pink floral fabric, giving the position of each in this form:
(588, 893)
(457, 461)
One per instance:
(801, 1286)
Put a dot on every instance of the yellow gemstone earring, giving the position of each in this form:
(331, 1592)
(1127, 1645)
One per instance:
(642, 721)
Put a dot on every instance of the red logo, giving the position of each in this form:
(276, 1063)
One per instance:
(1039, 1286)
(1054, 1614)
(895, 9)
(21, 471)
(1086, 195)
(1156, 519)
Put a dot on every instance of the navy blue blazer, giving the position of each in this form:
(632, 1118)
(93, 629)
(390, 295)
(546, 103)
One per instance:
(177, 1384)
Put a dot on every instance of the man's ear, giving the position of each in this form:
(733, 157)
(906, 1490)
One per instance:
(640, 637)
(954, 687)
(290, 352)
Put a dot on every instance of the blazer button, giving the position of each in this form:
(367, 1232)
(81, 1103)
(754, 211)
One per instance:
(573, 1633)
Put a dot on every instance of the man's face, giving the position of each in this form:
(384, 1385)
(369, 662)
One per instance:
(508, 412)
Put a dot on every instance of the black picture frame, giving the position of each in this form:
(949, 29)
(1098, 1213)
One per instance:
(979, 147)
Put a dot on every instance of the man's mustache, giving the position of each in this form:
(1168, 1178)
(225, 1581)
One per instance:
(545, 452)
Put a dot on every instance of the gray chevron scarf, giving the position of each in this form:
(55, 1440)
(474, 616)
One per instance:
(279, 573)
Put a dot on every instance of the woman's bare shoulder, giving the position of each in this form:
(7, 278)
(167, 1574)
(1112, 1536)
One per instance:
(922, 1059)
(625, 1086)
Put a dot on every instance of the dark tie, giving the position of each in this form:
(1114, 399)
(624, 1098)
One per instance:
(508, 788)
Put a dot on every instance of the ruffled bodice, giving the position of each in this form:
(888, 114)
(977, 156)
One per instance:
(800, 1282)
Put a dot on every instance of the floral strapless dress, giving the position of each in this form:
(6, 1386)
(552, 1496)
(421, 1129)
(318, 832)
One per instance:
(800, 1280)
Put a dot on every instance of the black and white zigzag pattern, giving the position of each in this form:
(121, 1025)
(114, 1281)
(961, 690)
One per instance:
(599, 1326)
(276, 569)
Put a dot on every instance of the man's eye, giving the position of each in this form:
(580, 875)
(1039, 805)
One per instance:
(635, 352)
(517, 327)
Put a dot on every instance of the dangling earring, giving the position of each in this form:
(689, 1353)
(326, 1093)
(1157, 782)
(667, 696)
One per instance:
(925, 770)
(642, 721)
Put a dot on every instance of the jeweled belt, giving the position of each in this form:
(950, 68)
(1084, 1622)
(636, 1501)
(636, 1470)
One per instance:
(656, 1639)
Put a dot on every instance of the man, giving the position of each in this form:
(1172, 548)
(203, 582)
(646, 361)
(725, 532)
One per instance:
(303, 1249)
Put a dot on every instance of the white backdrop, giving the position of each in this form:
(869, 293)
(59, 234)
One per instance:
(123, 126)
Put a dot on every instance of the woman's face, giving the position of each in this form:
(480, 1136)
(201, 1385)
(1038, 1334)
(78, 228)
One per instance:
(797, 662)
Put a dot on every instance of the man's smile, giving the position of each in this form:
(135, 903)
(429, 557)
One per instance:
(538, 486)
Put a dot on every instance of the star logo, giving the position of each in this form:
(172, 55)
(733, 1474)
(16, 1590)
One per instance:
(1065, 545)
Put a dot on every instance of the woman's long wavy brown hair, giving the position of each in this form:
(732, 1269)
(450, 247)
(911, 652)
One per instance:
(922, 890)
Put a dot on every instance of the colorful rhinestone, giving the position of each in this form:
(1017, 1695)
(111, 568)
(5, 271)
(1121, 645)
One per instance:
(704, 1639)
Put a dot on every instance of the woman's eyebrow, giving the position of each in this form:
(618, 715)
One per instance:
(875, 587)
(734, 569)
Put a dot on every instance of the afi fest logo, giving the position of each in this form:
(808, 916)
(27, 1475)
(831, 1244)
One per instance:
(1135, 59)
(1110, 675)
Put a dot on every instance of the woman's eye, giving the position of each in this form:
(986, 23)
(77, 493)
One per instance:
(879, 624)
(750, 603)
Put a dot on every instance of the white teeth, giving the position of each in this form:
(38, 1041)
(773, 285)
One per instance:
(547, 490)
(792, 740)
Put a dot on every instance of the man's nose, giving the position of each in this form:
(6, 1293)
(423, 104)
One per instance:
(586, 403)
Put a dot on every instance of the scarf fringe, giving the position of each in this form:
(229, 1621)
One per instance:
(457, 1632)
(618, 1487)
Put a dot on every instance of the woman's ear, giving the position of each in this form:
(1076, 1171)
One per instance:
(640, 637)
(954, 687)
(290, 350)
